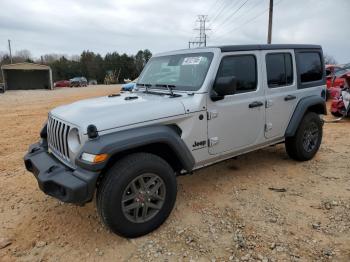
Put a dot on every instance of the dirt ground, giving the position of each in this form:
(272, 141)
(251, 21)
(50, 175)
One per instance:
(224, 212)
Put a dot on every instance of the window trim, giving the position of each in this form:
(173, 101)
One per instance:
(293, 73)
(310, 84)
(256, 70)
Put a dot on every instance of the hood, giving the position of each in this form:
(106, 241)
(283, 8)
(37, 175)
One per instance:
(116, 111)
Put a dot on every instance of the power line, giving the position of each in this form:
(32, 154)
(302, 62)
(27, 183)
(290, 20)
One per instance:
(229, 17)
(212, 7)
(244, 14)
(220, 10)
(247, 22)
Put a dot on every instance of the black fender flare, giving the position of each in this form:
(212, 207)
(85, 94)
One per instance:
(315, 104)
(118, 142)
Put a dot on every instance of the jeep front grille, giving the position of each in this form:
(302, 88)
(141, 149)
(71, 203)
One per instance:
(57, 137)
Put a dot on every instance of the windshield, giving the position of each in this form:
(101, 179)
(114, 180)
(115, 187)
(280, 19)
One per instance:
(184, 72)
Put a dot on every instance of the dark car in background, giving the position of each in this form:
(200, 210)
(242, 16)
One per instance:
(78, 82)
(93, 82)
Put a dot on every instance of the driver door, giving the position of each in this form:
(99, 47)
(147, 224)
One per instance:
(237, 121)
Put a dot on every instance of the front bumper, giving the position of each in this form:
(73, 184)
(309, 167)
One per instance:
(56, 179)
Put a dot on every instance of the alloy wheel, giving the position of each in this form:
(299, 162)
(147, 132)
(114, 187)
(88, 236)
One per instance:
(143, 197)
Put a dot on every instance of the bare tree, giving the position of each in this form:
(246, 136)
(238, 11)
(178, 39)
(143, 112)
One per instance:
(75, 58)
(23, 54)
(2, 54)
(50, 58)
(329, 60)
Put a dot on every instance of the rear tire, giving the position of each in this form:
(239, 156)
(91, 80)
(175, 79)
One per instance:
(137, 194)
(307, 140)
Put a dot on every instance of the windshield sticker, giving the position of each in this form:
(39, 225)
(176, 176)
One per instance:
(195, 60)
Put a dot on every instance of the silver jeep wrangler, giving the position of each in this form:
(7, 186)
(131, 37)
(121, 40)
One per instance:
(191, 108)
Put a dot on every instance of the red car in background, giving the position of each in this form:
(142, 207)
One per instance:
(335, 77)
(331, 68)
(340, 106)
(62, 83)
(330, 73)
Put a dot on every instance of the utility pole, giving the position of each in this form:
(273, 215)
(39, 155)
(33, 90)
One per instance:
(10, 50)
(202, 39)
(269, 34)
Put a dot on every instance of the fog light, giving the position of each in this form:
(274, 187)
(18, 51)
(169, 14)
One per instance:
(94, 158)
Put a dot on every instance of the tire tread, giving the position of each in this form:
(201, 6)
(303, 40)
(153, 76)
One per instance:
(113, 177)
(293, 144)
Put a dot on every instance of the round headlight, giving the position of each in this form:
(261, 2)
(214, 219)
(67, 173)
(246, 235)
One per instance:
(74, 140)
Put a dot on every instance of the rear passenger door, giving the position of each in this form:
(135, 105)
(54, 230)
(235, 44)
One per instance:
(280, 90)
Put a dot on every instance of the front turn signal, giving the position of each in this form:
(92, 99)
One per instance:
(94, 158)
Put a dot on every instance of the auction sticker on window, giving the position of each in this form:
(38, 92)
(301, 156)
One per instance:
(194, 60)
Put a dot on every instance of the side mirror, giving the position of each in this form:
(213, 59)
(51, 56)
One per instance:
(223, 86)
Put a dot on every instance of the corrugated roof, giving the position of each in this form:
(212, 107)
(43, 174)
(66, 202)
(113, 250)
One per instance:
(25, 66)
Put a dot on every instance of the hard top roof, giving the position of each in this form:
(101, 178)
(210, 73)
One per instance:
(231, 48)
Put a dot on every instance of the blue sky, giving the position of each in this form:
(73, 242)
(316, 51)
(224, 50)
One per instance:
(71, 26)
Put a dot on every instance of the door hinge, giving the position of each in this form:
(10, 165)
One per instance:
(268, 127)
(212, 114)
(213, 141)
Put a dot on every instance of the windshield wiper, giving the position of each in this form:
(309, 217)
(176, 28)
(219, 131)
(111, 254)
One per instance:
(170, 88)
(145, 85)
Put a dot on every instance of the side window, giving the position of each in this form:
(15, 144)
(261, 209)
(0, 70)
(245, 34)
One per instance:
(309, 66)
(243, 68)
(279, 67)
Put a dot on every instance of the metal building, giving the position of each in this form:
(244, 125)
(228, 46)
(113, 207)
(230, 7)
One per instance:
(22, 76)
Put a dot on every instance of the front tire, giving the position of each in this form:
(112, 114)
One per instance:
(307, 140)
(137, 194)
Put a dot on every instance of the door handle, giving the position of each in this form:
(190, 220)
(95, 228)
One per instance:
(289, 97)
(256, 104)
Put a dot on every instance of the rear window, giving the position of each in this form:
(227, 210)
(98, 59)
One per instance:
(279, 68)
(309, 66)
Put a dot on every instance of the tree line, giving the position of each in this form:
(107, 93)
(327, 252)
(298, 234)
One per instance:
(91, 65)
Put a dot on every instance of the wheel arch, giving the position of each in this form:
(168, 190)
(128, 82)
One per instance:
(314, 104)
(163, 150)
(163, 141)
